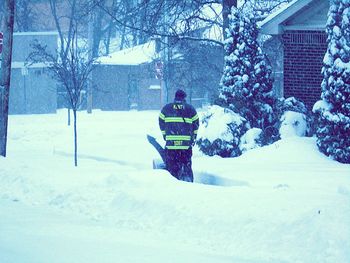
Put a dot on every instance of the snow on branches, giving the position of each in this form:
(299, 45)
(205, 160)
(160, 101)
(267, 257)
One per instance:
(334, 109)
(246, 85)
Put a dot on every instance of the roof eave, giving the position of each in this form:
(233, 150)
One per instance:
(273, 24)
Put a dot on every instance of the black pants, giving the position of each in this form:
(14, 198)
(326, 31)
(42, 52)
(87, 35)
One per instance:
(179, 164)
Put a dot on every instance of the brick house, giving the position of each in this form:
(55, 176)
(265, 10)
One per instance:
(298, 33)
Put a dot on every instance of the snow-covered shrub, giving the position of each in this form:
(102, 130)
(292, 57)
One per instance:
(220, 132)
(250, 140)
(293, 124)
(291, 104)
(294, 118)
(333, 111)
(333, 132)
(246, 84)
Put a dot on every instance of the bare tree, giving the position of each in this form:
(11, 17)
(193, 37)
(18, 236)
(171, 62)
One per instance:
(72, 74)
(103, 13)
(72, 65)
(190, 69)
(5, 76)
(143, 19)
(24, 15)
(166, 18)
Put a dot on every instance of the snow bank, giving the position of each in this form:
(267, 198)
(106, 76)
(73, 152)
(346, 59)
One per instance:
(285, 202)
(250, 139)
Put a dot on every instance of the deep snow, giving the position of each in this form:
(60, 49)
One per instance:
(284, 203)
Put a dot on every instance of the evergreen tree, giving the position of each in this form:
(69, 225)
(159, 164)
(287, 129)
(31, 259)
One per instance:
(246, 85)
(334, 109)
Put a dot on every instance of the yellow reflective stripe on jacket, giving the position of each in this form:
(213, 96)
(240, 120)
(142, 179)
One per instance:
(177, 119)
(195, 117)
(178, 138)
(177, 147)
(173, 119)
(163, 132)
(162, 116)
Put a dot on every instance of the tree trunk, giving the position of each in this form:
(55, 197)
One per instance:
(97, 33)
(5, 75)
(226, 10)
(123, 38)
(75, 138)
(109, 36)
(92, 41)
(68, 112)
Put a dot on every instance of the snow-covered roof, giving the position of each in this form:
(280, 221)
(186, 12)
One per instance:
(273, 24)
(16, 65)
(39, 33)
(132, 56)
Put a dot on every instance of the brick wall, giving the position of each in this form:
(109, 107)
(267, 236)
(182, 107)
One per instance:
(303, 58)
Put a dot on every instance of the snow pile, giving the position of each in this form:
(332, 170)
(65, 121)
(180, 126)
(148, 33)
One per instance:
(250, 139)
(293, 124)
(285, 202)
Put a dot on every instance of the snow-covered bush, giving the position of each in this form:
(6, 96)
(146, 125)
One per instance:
(246, 84)
(220, 132)
(250, 140)
(333, 111)
(294, 118)
(293, 124)
(291, 104)
(333, 132)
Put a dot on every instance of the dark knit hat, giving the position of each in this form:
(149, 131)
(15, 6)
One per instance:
(180, 94)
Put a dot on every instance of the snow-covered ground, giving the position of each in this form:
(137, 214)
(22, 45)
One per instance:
(284, 203)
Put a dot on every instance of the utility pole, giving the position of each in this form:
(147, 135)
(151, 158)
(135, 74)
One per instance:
(5, 72)
(165, 55)
(90, 47)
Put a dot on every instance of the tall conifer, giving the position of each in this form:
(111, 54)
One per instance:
(333, 133)
(246, 85)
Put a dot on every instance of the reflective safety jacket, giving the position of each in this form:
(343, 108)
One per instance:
(178, 122)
